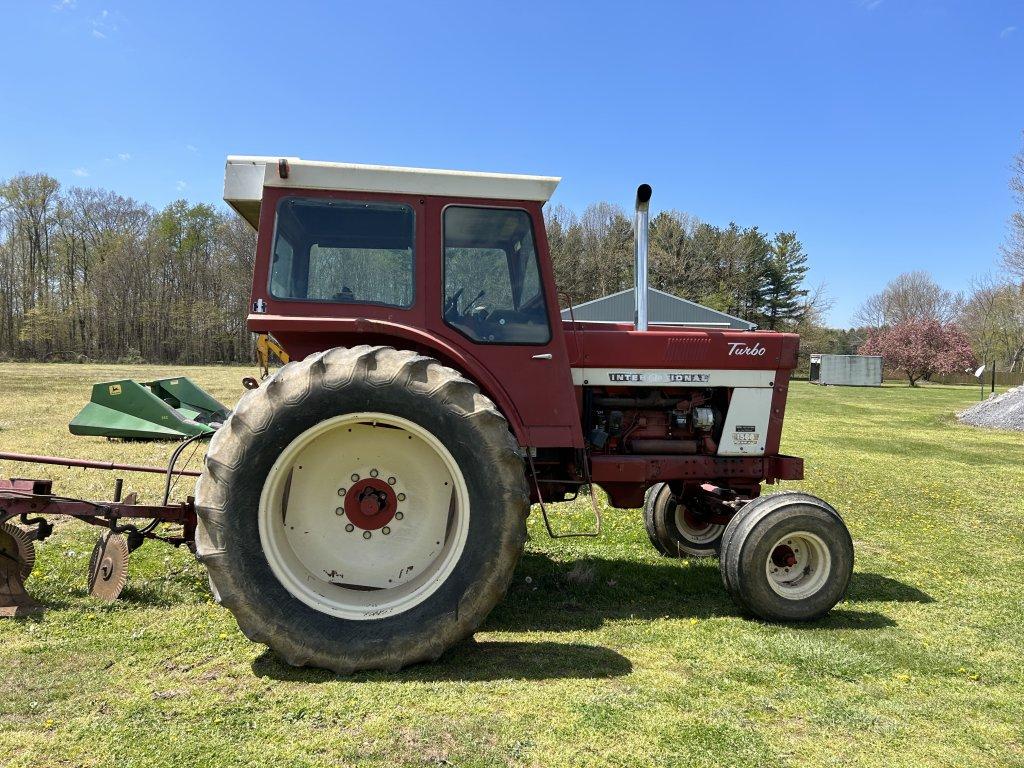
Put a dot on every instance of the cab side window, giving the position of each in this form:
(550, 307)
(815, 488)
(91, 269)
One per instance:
(492, 286)
(343, 251)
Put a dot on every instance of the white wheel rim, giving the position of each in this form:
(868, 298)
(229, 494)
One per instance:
(798, 565)
(337, 567)
(694, 531)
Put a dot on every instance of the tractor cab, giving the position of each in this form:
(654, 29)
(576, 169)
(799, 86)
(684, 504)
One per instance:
(452, 264)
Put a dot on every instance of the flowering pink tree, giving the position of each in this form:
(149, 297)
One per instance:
(920, 348)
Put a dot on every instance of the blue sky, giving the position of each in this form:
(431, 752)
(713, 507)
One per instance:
(880, 130)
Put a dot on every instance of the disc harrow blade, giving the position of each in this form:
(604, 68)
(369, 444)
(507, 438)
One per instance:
(14, 600)
(25, 545)
(108, 567)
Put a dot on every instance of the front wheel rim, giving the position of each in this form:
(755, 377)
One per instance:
(798, 565)
(695, 530)
(364, 516)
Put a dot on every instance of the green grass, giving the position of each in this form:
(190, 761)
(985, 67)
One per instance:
(603, 653)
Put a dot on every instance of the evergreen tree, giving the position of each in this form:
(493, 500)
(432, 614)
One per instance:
(785, 270)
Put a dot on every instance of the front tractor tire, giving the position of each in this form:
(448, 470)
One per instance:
(363, 509)
(674, 529)
(786, 557)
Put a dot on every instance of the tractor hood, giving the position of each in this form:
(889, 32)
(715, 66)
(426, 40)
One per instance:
(246, 176)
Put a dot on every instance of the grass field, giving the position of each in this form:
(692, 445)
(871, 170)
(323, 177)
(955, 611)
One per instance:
(603, 653)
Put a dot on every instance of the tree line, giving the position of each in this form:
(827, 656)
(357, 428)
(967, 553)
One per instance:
(87, 274)
(957, 329)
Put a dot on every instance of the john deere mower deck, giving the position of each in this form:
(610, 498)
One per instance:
(164, 409)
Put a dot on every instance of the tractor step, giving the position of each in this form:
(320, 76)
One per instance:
(164, 409)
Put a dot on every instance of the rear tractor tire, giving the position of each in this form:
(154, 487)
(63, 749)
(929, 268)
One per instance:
(786, 557)
(674, 529)
(363, 509)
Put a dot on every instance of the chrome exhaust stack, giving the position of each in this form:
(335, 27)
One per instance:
(640, 227)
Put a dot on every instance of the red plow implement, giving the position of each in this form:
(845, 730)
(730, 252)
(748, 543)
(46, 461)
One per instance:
(27, 507)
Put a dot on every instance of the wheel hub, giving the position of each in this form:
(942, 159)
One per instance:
(783, 556)
(694, 527)
(693, 522)
(370, 504)
(798, 565)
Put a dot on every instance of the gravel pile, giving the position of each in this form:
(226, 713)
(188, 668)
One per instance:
(1005, 411)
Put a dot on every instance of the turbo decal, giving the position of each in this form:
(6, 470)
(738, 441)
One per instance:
(742, 348)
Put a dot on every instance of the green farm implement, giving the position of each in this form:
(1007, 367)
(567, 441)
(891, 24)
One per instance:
(164, 409)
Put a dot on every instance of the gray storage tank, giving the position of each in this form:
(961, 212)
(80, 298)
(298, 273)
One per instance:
(847, 370)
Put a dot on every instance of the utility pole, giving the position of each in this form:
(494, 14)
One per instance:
(993, 377)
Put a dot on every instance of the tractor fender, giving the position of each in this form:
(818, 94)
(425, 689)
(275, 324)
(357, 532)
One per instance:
(304, 336)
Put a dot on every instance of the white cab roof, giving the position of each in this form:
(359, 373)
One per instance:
(246, 176)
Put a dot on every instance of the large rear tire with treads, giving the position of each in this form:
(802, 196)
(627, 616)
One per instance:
(363, 509)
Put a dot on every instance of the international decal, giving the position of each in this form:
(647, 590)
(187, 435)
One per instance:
(658, 377)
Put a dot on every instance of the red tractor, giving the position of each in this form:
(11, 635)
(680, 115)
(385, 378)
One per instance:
(365, 507)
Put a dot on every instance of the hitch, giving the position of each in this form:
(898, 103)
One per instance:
(31, 501)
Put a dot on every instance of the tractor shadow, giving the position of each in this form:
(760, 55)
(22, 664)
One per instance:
(548, 595)
(554, 596)
(876, 588)
(476, 661)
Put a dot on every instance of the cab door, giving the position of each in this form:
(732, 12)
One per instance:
(498, 303)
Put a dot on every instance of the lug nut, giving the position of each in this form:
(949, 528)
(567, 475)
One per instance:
(399, 515)
(341, 491)
(339, 511)
(350, 527)
(401, 497)
(374, 473)
(354, 477)
(367, 534)
(392, 481)
(385, 530)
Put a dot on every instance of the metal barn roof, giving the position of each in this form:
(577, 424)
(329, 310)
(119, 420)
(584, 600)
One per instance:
(663, 309)
(246, 176)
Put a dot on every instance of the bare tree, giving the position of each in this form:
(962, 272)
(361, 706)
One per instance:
(911, 296)
(993, 317)
(1013, 250)
(816, 304)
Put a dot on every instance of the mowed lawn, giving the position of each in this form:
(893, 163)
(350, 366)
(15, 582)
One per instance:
(604, 653)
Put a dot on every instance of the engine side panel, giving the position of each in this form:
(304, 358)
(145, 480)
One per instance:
(745, 431)
(681, 404)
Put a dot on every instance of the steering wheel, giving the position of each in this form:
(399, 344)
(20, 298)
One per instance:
(452, 303)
